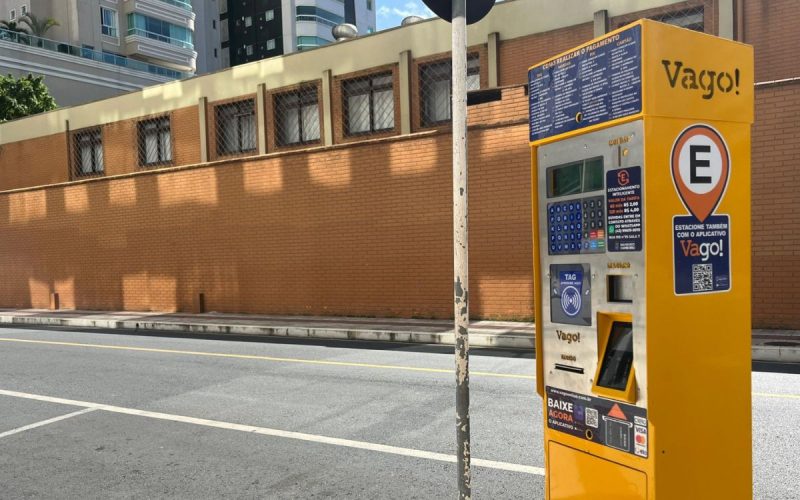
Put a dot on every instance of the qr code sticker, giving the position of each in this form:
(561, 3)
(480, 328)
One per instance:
(702, 278)
(591, 417)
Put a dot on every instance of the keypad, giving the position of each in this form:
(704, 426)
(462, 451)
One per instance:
(576, 226)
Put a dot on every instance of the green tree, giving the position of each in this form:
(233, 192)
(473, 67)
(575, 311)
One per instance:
(23, 96)
(12, 26)
(38, 27)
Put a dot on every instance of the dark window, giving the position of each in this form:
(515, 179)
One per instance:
(692, 19)
(155, 142)
(435, 88)
(368, 104)
(297, 116)
(236, 127)
(88, 154)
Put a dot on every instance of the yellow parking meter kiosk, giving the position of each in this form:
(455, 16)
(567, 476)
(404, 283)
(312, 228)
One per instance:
(640, 147)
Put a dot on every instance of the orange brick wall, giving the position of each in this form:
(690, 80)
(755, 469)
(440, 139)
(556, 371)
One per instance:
(517, 55)
(776, 218)
(771, 26)
(34, 162)
(359, 230)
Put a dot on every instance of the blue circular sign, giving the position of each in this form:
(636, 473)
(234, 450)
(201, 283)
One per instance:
(571, 301)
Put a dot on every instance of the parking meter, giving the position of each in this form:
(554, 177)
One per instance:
(640, 145)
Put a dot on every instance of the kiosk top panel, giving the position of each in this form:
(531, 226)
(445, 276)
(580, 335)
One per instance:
(644, 68)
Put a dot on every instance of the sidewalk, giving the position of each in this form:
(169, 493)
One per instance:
(768, 345)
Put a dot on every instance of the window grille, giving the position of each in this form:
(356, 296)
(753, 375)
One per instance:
(692, 18)
(235, 125)
(87, 153)
(368, 104)
(155, 142)
(297, 116)
(435, 88)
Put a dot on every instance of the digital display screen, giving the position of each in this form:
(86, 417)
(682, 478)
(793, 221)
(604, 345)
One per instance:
(593, 174)
(616, 367)
(575, 178)
(566, 179)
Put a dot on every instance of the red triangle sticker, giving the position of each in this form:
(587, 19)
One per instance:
(616, 412)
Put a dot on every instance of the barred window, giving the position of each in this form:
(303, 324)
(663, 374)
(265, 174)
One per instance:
(692, 19)
(88, 152)
(155, 141)
(236, 127)
(368, 104)
(297, 116)
(436, 88)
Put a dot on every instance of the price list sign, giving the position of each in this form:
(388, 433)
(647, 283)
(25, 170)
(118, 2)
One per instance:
(624, 209)
(599, 82)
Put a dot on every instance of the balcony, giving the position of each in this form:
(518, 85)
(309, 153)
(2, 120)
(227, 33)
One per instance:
(161, 38)
(103, 57)
(183, 4)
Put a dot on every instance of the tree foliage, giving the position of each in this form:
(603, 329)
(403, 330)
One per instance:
(13, 26)
(23, 96)
(36, 26)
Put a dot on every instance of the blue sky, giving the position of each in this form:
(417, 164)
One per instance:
(391, 12)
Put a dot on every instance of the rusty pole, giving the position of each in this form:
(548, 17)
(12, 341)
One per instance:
(460, 244)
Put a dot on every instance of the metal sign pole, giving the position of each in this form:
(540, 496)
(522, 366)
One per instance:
(461, 244)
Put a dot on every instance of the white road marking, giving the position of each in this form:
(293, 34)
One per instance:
(362, 445)
(46, 422)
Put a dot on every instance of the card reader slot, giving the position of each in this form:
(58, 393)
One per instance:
(568, 368)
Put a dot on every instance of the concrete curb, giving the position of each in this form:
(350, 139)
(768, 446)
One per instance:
(760, 352)
(776, 354)
(475, 339)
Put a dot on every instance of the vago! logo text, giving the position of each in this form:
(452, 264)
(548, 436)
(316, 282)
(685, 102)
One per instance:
(709, 81)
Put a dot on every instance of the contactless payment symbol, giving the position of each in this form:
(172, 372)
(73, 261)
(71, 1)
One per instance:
(571, 285)
(700, 169)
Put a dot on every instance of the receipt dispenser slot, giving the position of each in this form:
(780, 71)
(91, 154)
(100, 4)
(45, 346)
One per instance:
(620, 288)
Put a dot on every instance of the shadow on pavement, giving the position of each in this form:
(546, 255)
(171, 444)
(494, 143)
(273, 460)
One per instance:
(772, 367)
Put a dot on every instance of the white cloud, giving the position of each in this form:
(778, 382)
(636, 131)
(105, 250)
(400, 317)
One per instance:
(405, 10)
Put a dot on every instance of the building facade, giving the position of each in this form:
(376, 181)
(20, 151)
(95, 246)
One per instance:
(157, 32)
(320, 182)
(251, 30)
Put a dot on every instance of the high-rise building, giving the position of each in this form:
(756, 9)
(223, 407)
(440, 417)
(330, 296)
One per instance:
(207, 29)
(249, 30)
(157, 32)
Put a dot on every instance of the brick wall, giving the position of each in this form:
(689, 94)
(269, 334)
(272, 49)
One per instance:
(34, 162)
(776, 219)
(361, 230)
(771, 27)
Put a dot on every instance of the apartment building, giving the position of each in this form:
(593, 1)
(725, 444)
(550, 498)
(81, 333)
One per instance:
(320, 182)
(250, 30)
(101, 48)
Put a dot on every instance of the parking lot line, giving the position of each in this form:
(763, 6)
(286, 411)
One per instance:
(268, 358)
(45, 422)
(314, 438)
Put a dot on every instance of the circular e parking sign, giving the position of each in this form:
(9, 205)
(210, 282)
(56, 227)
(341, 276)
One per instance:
(700, 169)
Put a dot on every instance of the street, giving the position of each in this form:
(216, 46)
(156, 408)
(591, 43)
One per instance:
(93, 414)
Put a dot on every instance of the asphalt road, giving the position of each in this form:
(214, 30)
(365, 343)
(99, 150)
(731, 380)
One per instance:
(90, 414)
